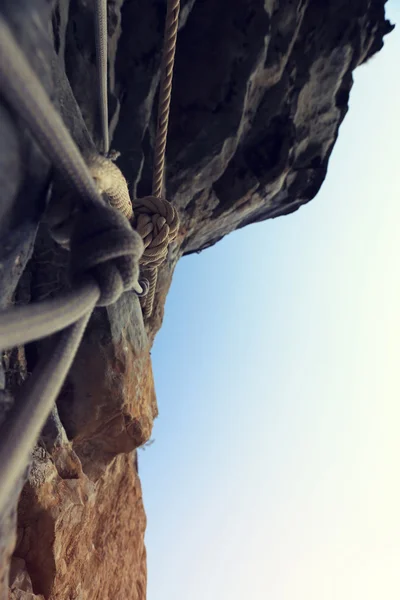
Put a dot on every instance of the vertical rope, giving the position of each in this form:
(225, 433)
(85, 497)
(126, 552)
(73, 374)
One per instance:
(152, 276)
(101, 58)
(167, 69)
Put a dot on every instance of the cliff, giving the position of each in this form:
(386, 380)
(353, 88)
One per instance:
(260, 90)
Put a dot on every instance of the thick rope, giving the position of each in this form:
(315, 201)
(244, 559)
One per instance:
(24, 324)
(23, 425)
(101, 59)
(156, 220)
(167, 70)
(110, 181)
(105, 254)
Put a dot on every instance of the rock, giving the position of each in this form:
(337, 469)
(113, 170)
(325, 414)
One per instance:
(249, 139)
(19, 578)
(72, 532)
(108, 404)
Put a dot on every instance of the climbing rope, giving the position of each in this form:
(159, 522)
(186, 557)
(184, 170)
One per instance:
(101, 59)
(167, 70)
(155, 218)
(105, 253)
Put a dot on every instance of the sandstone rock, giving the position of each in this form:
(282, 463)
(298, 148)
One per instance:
(108, 404)
(72, 532)
(260, 90)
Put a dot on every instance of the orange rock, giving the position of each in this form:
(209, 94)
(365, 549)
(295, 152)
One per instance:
(84, 539)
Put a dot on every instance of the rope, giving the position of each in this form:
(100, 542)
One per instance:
(109, 180)
(167, 70)
(23, 425)
(24, 324)
(155, 218)
(101, 59)
(105, 253)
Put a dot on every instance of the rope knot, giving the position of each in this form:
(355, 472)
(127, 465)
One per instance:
(104, 246)
(157, 221)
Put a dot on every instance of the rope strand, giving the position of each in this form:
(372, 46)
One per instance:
(24, 324)
(22, 427)
(167, 70)
(101, 59)
(169, 225)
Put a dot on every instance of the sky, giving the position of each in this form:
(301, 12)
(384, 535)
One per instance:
(274, 472)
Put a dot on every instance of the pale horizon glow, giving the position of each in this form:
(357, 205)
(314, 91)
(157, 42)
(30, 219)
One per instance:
(274, 472)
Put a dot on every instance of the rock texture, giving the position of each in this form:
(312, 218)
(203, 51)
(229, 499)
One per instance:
(71, 531)
(260, 90)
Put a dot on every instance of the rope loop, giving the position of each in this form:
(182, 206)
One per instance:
(105, 247)
(145, 285)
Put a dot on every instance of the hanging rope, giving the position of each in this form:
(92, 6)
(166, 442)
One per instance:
(167, 71)
(101, 59)
(105, 253)
(155, 218)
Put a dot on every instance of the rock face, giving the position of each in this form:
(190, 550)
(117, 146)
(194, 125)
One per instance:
(260, 90)
(71, 530)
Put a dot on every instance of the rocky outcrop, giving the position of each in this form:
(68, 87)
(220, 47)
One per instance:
(71, 530)
(260, 90)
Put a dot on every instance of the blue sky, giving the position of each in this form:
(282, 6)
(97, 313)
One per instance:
(274, 471)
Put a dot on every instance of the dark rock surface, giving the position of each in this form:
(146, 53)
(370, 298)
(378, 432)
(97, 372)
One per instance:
(260, 90)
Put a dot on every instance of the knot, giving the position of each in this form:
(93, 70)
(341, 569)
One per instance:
(105, 247)
(157, 221)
